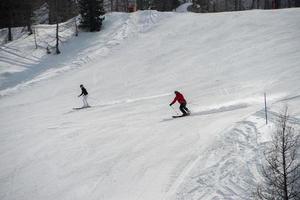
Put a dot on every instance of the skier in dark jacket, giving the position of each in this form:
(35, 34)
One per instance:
(84, 95)
(181, 100)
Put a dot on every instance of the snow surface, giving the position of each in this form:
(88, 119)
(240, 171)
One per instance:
(183, 7)
(127, 146)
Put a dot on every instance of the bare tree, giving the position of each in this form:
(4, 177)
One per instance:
(226, 5)
(117, 5)
(238, 5)
(282, 170)
(111, 5)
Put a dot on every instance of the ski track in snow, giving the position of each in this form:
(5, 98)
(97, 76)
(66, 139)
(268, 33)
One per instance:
(230, 168)
(127, 101)
(225, 170)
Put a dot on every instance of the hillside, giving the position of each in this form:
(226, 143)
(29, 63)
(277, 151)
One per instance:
(127, 146)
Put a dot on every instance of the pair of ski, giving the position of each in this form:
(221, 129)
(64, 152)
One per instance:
(79, 108)
(178, 116)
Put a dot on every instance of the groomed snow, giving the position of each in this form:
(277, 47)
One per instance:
(127, 146)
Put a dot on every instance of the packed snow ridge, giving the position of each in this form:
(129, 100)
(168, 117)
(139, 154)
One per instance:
(126, 145)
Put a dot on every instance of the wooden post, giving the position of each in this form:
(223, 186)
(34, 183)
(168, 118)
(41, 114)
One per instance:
(57, 27)
(34, 34)
(57, 38)
(266, 111)
(76, 28)
(9, 34)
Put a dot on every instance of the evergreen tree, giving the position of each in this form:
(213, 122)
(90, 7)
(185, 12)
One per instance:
(92, 12)
(64, 9)
(166, 5)
(15, 13)
(143, 4)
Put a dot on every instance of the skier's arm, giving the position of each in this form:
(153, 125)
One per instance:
(80, 94)
(175, 99)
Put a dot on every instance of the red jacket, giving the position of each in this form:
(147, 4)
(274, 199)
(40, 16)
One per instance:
(179, 97)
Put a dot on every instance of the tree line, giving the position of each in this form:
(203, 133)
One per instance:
(237, 5)
(21, 13)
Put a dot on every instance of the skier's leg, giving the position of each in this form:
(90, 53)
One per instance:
(186, 109)
(182, 106)
(83, 100)
(86, 103)
(84, 97)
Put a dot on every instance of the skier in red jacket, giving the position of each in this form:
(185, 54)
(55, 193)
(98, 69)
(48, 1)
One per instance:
(180, 98)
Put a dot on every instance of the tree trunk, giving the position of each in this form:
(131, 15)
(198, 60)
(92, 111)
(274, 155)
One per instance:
(117, 5)
(226, 5)
(28, 16)
(57, 39)
(9, 34)
(57, 26)
(111, 5)
(283, 146)
(10, 38)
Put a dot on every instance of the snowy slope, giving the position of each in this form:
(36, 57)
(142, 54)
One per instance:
(21, 63)
(127, 146)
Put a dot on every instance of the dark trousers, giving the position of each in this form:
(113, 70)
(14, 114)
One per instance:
(184, 109)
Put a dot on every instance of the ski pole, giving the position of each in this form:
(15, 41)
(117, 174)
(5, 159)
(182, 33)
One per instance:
(174, 110)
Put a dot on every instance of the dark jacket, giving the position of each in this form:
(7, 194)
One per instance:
(83, 92)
